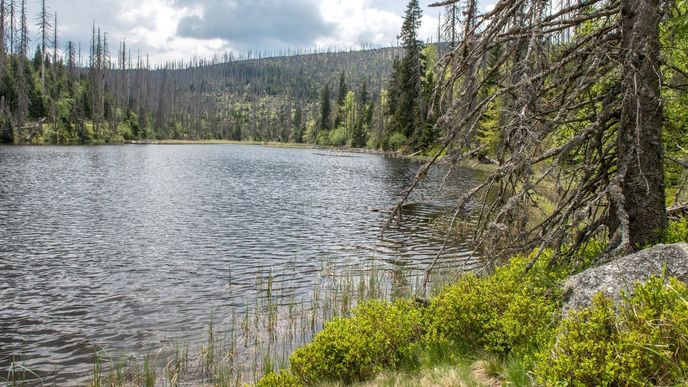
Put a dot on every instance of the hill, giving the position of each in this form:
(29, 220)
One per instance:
(269, 99)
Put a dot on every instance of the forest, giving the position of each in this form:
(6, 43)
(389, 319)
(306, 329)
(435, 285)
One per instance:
(56, 94)
(382, 98)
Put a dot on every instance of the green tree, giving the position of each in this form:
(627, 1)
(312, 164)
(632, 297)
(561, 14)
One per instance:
(325, 109)
(341, 96)
(406, 86)
(364, 118)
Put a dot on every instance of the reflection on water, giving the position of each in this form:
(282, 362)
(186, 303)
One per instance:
(127, 247)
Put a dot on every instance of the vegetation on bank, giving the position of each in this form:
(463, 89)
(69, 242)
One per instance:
(502, 326)
(511, 326)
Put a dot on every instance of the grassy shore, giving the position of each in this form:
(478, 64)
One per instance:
(505, 328)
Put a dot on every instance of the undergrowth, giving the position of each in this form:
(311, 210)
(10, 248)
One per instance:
(643, 341)
(511, 324)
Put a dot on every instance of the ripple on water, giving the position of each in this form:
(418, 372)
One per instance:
(125, 247)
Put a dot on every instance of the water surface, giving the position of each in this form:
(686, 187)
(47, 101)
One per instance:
(126, 247)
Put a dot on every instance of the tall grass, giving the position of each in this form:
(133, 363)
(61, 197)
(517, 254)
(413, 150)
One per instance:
(252, 340)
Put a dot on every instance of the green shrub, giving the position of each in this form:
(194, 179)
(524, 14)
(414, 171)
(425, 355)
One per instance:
(124, 130)
(379, 335)
(396, 141)
(676, 232)
(645, 342)
(282, 379)
(507, 312)
(323, 138)
(338, 136)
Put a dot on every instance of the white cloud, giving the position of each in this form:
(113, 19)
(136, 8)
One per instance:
(152, 26)
(358, 22)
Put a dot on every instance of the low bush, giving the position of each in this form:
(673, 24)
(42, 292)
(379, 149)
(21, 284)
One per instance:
(514, 317)
(507, 312)
(283, 378)
(338, 137)
(676, 232)
(645, 342)
(377, 336)
(396, 141)
(323, 138)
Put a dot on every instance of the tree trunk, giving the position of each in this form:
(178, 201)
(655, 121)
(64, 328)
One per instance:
(640, 149)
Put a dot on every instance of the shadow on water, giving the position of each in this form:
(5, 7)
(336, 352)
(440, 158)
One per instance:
(130, 248)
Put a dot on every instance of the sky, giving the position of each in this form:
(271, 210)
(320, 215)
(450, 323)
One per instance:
(182, 29)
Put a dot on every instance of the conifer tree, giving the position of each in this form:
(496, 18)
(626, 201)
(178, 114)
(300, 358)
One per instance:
(584, 114)
(341, 96)
(407, 106)
(325, 109)
(44, 30)
(363, 118)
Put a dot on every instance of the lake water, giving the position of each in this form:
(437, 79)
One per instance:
(127, 247)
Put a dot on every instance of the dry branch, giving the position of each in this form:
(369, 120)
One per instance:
(562, 95)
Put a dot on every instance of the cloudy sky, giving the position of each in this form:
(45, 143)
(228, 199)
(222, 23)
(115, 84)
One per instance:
(173, 29)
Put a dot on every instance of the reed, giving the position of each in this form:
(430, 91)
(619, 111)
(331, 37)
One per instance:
(254, 339)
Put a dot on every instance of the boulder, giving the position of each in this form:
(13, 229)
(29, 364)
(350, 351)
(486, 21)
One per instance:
(623, 272)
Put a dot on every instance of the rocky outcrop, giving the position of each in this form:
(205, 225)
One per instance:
(622, 273)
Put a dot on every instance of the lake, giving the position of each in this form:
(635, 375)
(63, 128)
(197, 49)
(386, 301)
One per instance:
(128, 247)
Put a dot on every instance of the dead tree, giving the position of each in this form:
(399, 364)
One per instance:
(55, 39)
(3, 48)
(581, 114)
(22, 81)
(44, 30)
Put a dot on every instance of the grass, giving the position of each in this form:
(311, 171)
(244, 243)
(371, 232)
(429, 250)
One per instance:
(468, 370)
(257, 339)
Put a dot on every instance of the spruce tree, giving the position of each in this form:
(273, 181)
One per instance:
(407, 109)
(325, 109)
(341, 96)
(362, 118)
(44, 30)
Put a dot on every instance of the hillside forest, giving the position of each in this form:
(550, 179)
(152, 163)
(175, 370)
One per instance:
(67, 93)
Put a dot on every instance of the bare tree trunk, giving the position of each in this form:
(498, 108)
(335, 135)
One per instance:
(55, 40)
(640, 148)
(2, 34)
(12, 25)
(44, 27)
(22, 82)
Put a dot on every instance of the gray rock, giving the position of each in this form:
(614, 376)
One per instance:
(622, 273)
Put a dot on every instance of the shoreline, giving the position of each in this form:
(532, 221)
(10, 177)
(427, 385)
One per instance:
(468, 164)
